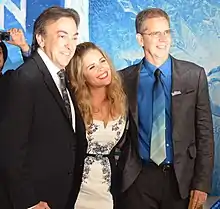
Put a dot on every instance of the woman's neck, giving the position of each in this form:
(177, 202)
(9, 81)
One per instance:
(98, 96)
(100, 105)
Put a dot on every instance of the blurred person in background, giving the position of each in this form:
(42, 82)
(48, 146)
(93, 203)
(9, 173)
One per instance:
(17, 38)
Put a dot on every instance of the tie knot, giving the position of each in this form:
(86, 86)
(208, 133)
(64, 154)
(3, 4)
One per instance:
(157, 73)
(61, 74)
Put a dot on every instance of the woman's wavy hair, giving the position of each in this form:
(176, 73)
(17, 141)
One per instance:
(115, 92)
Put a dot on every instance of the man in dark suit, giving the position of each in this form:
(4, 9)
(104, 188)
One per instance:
(42, 141)
(170, 102)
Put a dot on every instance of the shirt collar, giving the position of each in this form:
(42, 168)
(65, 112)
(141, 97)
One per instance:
(53, 69)
(165, 68)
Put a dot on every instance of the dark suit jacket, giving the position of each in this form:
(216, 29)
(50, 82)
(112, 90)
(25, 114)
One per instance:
(41, 156)
(129, 163)
(191, 120)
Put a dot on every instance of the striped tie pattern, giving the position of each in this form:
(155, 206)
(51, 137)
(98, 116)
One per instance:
(158, 148)
(65, 97)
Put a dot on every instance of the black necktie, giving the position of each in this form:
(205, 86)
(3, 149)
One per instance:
(65, 97)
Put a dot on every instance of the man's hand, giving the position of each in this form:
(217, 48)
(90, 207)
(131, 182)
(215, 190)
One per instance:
(18, 39)
(197, 199)
(41, 205)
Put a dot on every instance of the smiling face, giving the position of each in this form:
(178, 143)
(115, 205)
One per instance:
(96, 69)
(59, 41)
(155, 39)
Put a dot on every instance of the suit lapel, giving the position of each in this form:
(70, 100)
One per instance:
(132, 89)
(176, 77)
(50, 83)
(78, 117)
(80, 126)
(178, 88)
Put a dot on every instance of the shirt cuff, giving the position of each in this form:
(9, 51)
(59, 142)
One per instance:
(32, 207)
(28, 53)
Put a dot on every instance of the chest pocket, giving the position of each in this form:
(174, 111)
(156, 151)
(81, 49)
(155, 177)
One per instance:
(192, 151)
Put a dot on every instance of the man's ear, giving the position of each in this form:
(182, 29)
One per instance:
(140, 40)
(40, 40)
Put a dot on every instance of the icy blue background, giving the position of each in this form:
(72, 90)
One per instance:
(196, 37)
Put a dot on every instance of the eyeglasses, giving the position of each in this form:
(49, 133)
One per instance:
(157, 34)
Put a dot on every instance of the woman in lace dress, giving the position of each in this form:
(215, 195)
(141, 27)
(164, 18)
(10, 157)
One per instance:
(102, 103)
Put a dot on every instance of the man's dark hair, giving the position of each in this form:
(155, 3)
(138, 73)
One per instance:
(51, 14)
(148, 14)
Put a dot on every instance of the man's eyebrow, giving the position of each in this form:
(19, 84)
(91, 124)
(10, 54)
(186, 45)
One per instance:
(62, 31)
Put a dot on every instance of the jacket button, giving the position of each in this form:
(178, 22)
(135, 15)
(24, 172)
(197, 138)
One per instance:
(70, 173)
(72, 147)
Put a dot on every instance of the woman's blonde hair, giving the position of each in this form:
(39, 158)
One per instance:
(114, 91)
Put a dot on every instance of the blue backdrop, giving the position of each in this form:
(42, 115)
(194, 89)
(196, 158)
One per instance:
(110, 24)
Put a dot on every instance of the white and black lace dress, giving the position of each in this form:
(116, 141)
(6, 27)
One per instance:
(97, 174)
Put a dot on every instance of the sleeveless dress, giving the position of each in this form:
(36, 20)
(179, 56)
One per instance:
(96, 181)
